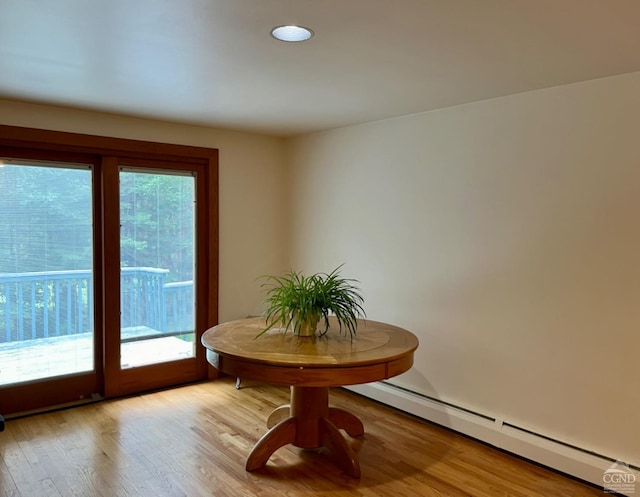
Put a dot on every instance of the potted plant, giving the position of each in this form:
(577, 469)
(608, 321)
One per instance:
(298, 302)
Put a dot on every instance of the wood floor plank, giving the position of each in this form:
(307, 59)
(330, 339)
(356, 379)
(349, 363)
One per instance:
(193, 441)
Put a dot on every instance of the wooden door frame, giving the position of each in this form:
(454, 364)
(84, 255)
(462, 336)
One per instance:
(40, 143)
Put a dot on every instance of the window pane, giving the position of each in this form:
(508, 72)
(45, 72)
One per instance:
(46, 276)
(157, 226)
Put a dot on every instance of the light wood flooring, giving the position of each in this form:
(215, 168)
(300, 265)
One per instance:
(192, 441)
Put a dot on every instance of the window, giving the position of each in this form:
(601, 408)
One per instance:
(108, 265)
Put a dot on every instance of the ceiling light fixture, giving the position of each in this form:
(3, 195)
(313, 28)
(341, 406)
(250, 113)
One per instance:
(291, 33)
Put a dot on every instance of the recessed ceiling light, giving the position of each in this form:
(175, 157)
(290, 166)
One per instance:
(291, 33)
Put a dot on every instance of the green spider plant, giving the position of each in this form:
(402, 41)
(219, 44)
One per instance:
(301, 302)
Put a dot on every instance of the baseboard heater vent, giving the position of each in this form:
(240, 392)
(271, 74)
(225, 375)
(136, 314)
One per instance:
(568, 445)
(576, 461)
(441, 402)
(504, 423)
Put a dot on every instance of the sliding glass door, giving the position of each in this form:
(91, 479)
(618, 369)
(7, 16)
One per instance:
(155, 313)
(157, 266)
(108, 266)
(47, 328)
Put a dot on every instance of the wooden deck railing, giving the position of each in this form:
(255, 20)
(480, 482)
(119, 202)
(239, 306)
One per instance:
(58, 303)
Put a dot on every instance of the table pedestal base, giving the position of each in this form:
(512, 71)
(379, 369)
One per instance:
(309, 423)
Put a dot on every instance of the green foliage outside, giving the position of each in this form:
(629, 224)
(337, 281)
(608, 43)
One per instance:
(46, 224)
(46, 221)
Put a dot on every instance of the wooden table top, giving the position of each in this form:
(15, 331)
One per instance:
(378, 351)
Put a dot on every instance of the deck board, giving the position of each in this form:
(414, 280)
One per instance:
(29, 360)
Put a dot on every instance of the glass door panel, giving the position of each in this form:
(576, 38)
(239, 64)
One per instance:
(157, 266)
(46, 270)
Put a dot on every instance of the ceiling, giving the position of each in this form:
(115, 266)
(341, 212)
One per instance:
(213, 62)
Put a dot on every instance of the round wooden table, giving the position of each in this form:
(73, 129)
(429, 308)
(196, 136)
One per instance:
(309, 366)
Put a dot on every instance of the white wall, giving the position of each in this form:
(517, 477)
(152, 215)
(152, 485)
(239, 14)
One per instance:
(506, 235)
(252, 182)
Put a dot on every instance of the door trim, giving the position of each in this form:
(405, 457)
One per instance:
(44, 144)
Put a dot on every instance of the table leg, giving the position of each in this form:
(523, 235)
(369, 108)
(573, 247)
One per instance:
(278, 414)
(280, 435)
(342, 453)
(346, 421)
(310, 424)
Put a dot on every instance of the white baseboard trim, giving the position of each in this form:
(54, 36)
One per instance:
(573, 461)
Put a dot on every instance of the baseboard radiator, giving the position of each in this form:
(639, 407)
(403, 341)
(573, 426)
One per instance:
(575, 461)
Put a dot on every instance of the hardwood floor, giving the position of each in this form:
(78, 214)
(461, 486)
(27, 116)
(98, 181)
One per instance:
(192, 441)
